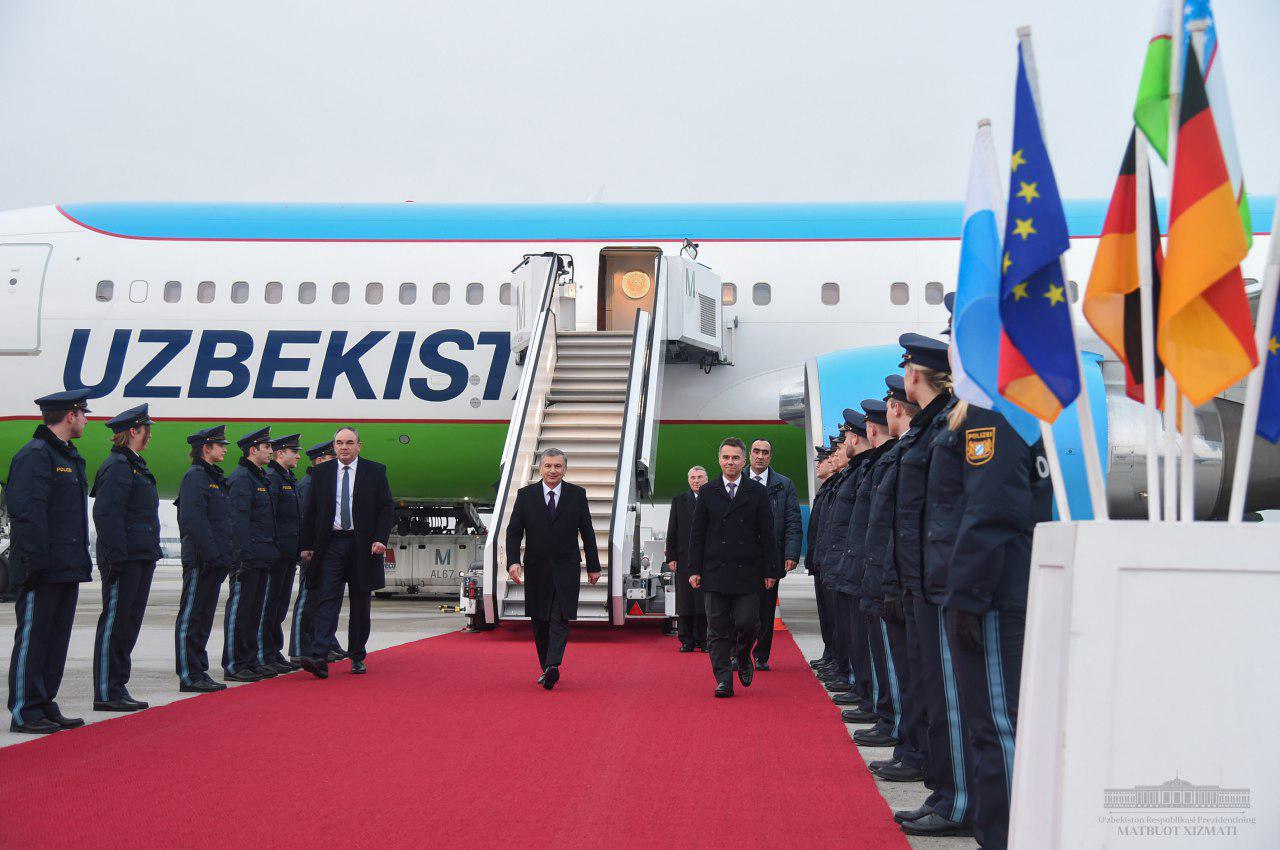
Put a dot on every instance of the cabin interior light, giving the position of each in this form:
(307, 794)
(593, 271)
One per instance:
(635, 284)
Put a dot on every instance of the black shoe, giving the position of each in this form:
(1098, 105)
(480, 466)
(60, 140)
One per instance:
(358, 668)
(337, 655)
(118, 705)
(818, 662)
(838, 687)
(57, 717)
(686, 647)
(746, 673)
(39, 726)
(542, 678)
(874, 738)
(201, 687)
(900, 773)
(935, 824)
(762, 664)
(550, 676)
(265, 671)
(246, 675)
(317, 667)
(904, 815)
(848, 698)
(880, 764)
(733, 662)
(724, 689)
(281, 667)
(857, 715)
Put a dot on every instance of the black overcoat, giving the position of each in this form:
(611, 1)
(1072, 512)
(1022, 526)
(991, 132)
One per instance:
(732, 545)
(551, 557)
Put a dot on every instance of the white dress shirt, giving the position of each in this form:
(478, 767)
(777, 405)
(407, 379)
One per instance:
(337, 495)
(763, 477)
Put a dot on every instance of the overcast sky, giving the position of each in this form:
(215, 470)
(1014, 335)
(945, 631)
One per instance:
(542, 102)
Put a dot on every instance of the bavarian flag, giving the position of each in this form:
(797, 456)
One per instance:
(1205, 333)
(1112, 302)
(1039, 368)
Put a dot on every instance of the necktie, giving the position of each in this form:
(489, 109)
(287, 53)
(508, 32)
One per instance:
(733, 490)
(551, 504)
(345, 503)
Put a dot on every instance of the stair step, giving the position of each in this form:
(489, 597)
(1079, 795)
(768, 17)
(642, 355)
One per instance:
(574, 431)
(576, 376)
(579, 336)
(553, 418)
(584, 359)
(577, 394)
(586, 407)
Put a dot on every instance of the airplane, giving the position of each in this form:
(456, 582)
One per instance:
(412, 322)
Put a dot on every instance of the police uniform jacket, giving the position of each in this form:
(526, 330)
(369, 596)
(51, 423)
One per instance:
(204, 517)
(838, 575)
(913, 478)
(856, 537)
(126, 510)
(731, 541)
(285, 494)
(47, 497)
(822, 536)
(816, 511)
(879, 571)
(253, 515)
(836, 523)
(987, 490)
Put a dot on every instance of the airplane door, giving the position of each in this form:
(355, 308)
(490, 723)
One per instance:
(627, 278)
(22, 269)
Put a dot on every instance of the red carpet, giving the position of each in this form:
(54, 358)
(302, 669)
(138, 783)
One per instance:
(449, 743)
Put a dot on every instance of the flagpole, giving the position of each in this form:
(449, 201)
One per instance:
(1172, 398)
(1084, 409)
(1253, 392)
(1142, 175)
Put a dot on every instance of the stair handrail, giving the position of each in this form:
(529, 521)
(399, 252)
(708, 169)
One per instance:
(646, 460)
(621, 524)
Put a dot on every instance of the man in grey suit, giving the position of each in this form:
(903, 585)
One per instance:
(786, 529)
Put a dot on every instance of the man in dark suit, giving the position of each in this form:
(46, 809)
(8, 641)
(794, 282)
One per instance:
(691, 610)
(345, 525)
(785, 505)
(550, 515)
(733, 554)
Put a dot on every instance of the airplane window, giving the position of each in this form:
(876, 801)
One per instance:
(1073, 291)
(239, 292)
(138, 291)
(899, 293)
(104, 290)
(373, 293)
(440, 293)
(475, 293)
(504, 294)
(728, 294)
(830, 294)
(205, 291)
(408, 293)
(173, 292)
(274, 292)
(341, 293)
(760, 294)
(933, 292)
(306, 292)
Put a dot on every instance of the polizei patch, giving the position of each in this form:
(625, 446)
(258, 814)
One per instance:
(979, 445)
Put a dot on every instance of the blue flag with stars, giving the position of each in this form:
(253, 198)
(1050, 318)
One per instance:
(1041, 374)
(1269, 405)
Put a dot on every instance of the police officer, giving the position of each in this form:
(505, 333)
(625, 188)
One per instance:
(822, 472)
(836, 674)
(300, 631)
(126, 515)
(284, 493)
(47, 495)
(253, 540)
(204, 523)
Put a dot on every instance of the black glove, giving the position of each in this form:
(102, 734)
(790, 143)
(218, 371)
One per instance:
(967, 629)
(893, 609)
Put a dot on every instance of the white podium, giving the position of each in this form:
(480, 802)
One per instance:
(1149, 713)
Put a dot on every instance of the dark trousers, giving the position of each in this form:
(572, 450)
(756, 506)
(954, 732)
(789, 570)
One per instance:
(888, 697)
(839, 611)
(196, 610)
(764, 633)
(275, 606)
(914, 735)
(325, 599)
(826, 623)
(732, 620)
(989, 678)
(861, 671)
(551, 635)
(947, 736)
(45, 614)
(240, 620)
(691, 611)
(124, 601)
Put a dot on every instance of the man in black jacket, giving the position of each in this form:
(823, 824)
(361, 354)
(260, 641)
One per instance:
(346, 523)
(733, 554)
(204, 523)
(550, 515)
(691, 611)
(284, 495)
(253, 538)
(47, 493)
(785, 506)
(126, 514)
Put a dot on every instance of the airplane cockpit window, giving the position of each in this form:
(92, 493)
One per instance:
(933, 292)
(504, 294)
(830, 294)
(761, 294)
(728, 294)
(205, 292)
(172, 292)
(105, 290)
(274, 293)
(341, 293)
(239, 292)
(408, 293)
(475, 293)
(373, 293)
(440, 293)
(306, 292)
(899, 293)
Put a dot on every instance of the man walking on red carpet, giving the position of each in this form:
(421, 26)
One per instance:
(733, 556)
(550, 515)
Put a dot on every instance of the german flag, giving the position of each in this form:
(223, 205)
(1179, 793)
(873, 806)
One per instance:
(1205, 334)
(1112, 302)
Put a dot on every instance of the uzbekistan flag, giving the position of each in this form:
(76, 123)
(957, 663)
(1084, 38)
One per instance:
(1205, 330)
(1112, 302)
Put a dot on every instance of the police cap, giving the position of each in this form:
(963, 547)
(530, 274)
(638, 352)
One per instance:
(920, 350)
(320, 450)
(289, 441)
(897, 390)
(217, 434)
(876, 410)
(134, 417)
(63, 401)
(248, 441)
(855, 421)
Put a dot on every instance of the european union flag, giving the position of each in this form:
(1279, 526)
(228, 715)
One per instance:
(1042, 374)
(1269, 405)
